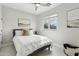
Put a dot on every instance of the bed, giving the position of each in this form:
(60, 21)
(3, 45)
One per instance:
(26, 45)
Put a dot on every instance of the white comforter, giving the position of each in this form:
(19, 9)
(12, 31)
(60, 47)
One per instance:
(26, 45)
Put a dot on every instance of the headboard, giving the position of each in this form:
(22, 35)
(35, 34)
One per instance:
(16, 30)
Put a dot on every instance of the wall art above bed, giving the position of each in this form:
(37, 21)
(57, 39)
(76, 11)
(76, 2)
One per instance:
(73, 18)
(23, 22)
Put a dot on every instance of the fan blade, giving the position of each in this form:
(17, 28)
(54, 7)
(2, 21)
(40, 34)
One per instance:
(45, 4)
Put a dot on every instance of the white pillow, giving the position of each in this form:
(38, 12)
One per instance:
(18, 33)
(31, 32)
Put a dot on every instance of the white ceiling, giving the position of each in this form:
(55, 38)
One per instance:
(29, 7)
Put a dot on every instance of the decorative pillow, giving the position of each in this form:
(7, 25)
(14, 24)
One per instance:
(25, 32)
(71, 50)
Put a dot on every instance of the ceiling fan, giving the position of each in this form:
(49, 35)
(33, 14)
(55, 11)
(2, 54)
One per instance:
(41, 4)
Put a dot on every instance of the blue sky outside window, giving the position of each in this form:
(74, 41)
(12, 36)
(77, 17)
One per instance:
(52, 23)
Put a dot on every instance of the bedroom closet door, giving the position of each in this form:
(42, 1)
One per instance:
(0, 25)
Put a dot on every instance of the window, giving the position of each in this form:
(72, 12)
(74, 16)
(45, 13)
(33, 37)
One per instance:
(51, 22)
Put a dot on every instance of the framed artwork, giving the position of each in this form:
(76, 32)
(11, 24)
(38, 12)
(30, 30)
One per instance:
(51, 22)
(73, 18)
(23, 22)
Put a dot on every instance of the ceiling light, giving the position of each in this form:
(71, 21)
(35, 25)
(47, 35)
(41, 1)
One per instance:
(37, 4)
(41, 4)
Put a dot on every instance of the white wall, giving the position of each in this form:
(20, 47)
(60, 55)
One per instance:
(62, 34)
(10, 21)
(0, 10)
(0, 25)
(0, 17)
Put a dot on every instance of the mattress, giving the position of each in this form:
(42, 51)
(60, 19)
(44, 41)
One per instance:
(26, 45)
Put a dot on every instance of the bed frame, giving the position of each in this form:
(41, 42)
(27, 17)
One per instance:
(42, 48)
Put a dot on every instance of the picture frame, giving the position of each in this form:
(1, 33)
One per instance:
(73, 18)
(23, 22)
